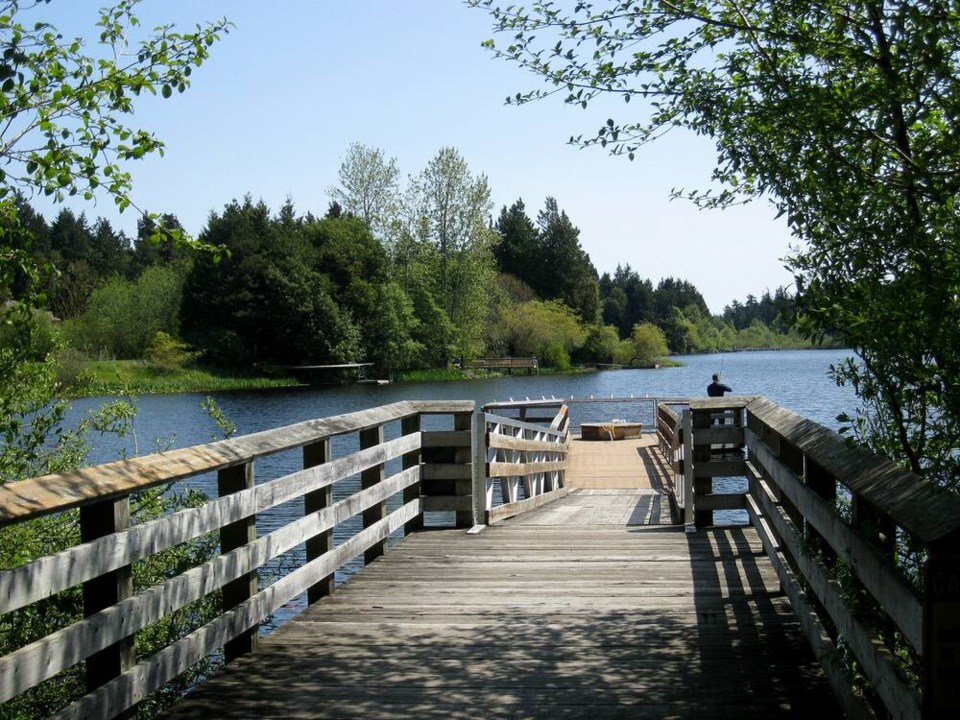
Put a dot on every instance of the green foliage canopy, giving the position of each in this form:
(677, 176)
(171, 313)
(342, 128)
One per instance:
(64, 129)
(844, 116)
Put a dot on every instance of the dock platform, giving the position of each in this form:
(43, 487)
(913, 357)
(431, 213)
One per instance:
(563, 613)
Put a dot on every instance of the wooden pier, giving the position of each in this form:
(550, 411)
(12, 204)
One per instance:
(543, 616)
(574, 580)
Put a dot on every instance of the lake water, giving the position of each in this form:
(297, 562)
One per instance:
(796, 379)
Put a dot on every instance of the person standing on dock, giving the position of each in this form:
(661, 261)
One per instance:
(717, 388)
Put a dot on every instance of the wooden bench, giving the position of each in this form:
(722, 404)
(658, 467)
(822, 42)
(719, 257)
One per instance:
(610, 431)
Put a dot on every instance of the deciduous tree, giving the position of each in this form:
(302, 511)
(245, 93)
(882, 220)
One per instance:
(843, 116)
(449, 208)
(369, 189)
(64, 110)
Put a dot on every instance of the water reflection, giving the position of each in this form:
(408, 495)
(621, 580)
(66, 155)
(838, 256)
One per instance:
(797, 380)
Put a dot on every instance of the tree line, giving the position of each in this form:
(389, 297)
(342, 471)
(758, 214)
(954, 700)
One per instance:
(406, 278)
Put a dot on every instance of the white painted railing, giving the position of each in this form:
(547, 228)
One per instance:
(525, 460)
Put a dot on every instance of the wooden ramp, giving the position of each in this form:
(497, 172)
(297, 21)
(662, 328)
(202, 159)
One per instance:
(539, 619)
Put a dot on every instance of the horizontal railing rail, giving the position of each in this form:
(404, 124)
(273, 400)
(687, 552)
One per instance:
(432, 472)
(604, 410)
(878, 549)
(868, 553)
(527, 461)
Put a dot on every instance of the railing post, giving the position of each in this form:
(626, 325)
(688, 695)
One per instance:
(941, 629)
(792, 458)
(317, 454)
(232, 536)
(481, 501)
(96, 521)
(702, 485)
(688, 494)
(463, 456)
(368, 478)
(409, 426)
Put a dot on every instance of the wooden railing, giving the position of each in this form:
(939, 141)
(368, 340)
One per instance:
(670, 440)
(868, 553)
(590, 409)
(519, 455)
(433, 473)
(505, 363)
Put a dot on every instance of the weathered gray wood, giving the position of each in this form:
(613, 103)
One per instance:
(313, 455)
(54, 573)
(730, 402)
(441, 407)
(717, 434)
(688, 496)
(48, 656)
(701, 460)
(463, 486)
(446, 471)
(448, 503)
(373, 437)
(447, 438)
(508, 442)
(137, 683)
(508, 469)
(718, 468)
(502, 512)
(99, 520)
(878, 663)
(521, 425)
(411, 427)
(232, 536)
(879, 575)
(545, 634)
(854, 706)
(53, 493)
(561, 420)
(924, 509)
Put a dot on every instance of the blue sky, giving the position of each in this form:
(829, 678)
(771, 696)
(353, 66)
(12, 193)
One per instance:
(296, 81)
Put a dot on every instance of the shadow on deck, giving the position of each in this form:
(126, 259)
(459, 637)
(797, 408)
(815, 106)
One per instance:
(578, 609)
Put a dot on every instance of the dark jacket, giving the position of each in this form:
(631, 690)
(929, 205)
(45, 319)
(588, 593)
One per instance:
(717, 389)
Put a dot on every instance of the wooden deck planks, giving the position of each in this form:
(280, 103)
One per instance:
(631, 463)
(534, 619)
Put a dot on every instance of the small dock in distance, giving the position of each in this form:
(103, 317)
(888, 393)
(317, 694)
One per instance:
(588, 607)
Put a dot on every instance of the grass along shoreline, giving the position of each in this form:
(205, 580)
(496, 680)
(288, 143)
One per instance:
(96, 378)
(136, 377)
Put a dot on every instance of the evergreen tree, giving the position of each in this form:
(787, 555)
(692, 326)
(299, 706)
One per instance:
(566, 272)
(518, 251)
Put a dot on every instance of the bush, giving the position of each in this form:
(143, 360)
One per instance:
(167, 354)
(70, 364)
(556, 356)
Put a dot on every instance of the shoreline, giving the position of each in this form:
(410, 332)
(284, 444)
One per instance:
(134, 377)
